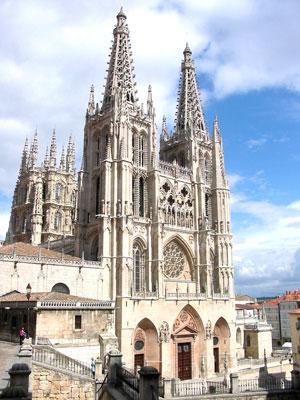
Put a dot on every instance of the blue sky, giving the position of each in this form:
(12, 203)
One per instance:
(247, 55)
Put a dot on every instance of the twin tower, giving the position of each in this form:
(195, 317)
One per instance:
(156, 222)
(146, 216)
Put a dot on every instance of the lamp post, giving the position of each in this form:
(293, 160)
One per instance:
(28, 295)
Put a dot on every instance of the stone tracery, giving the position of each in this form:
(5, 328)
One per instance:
(176, 206)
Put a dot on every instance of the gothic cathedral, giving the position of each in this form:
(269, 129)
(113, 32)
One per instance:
(160, 226)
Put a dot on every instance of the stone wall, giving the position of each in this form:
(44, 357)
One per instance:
(59, 325)
(49, 383)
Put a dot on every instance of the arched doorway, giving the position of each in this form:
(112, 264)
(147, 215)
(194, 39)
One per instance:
(60, 288)
(146, 346)
(221, 345)
(189, 352)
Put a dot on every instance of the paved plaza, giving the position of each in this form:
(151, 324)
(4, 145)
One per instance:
(8, 356)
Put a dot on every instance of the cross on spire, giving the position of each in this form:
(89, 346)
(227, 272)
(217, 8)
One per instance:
(120, 72)
(189, 112)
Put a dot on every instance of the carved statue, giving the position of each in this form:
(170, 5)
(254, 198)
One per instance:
(164, 332)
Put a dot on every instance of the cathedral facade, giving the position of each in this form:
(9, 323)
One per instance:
(158, 222)
(45, 196)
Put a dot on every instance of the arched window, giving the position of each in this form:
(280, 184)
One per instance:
(206, 171)
(58, 192)
(138, 268)
(60, 288)
(141, 197)
(57, 221)
(97, 205)
(141, 152)
(133, 195)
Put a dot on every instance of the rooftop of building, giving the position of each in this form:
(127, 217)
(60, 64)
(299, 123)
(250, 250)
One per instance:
(26, 249)
(43, 296)
(288, 296)
(244, 297)
(248, 306)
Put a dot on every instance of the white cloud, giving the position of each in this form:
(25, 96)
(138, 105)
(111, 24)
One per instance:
(4, 220)
(256, 143)
(266, 247)
(54, 50)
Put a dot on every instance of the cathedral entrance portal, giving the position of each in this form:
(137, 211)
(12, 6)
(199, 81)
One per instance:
(189, 344)
(146, 345)
(184, 356)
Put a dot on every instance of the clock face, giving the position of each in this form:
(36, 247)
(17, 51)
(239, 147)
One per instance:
(215, 340)
(139, 345)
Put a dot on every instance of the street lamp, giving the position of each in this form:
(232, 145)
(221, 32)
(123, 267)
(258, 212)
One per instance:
(28, 295)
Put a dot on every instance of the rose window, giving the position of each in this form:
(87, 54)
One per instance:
(174, 260)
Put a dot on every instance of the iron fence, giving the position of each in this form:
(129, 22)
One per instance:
(128, 381)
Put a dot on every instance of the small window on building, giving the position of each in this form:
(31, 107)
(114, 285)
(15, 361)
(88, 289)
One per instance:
(77, 321)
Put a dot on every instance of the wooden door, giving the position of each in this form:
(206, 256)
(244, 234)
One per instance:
(138, 361)
(216, 358)
(184, 361)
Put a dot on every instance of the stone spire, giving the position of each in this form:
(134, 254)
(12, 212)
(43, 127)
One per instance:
(149, 101)
(164, 130)
(189, 112)
(33, 154)
(120, 73)
(46, 159)
(24, 160)
(70, 158)
(62, 164)
(53, 150)
(218, 170)
(91, 104)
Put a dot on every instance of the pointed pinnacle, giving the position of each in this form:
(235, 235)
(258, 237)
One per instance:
(121, 13)
(187, 49)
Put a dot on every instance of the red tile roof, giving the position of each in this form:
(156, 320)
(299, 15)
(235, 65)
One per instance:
(27, 249)
(249, 306)
(288, 296)
(42, 296)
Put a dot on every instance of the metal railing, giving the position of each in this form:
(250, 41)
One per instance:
(196, 388)
(129, 382)
(49, 356)
(268, 384)
(99, 387)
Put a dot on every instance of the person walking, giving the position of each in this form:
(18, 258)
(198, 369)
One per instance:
(93, 367)
(22, 335)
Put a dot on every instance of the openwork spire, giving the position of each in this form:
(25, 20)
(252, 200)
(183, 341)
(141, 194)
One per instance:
(62, 165)
(53, 150)
(189, 112)
(33, 151)
(218, 178)
(120, 72)
(91, 104)
(24, 160)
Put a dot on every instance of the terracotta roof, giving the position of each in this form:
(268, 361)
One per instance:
(249, 306)
(43, 296)
(288, 296)
(26, 249)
